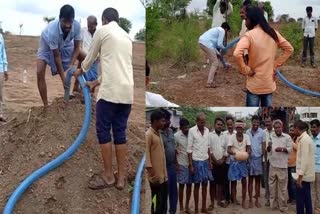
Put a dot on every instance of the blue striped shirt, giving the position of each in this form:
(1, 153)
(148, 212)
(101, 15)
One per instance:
(52, 36)
(3, 55)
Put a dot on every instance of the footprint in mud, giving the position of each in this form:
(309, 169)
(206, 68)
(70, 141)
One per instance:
(60, 183)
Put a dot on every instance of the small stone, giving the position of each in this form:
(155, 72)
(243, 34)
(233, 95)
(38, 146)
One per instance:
(42, 154)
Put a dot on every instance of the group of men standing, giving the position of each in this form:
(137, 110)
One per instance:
(285, 165)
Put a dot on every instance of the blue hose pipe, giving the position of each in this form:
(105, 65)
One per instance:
(135, 207)
(297, 88)
(230, 45)
(16, 195)
(281, 77)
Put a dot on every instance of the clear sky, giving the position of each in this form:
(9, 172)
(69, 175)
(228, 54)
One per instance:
(30, 13)
(295, 8)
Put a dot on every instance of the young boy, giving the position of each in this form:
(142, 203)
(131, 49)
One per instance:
(309, 26)
(238, 170)
(198, 153)
(183, 175)
(209, 42)
(156, 164)
(3, 74)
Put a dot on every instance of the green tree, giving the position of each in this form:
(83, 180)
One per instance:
(284, 18)
(48, 19)
(141, 35)
(190, 113)
(125, 24)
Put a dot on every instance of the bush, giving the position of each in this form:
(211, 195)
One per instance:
(175, 39)
(293, 33)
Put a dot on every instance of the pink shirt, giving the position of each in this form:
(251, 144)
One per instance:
(262, 59)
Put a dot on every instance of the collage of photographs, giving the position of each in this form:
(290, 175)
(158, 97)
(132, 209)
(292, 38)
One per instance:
(160, 107)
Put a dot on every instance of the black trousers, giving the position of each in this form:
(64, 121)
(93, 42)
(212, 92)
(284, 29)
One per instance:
(307, 41)
(160, 192)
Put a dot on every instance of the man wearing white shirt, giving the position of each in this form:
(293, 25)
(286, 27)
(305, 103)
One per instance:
(279, 147)
(221, 10)
(183, 174)
(87, 37)
(115, 96)
(309, 26)
(218, 150)
(86, 40)
(198, 153)
(227, 135)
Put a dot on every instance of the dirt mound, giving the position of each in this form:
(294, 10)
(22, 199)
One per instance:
(26, 144)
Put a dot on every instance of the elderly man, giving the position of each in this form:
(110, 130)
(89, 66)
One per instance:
(86, 40)
(238, 170)
(278, 148)
(305, 168)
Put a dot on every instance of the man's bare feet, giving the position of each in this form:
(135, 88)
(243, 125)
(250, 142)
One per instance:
(109, 179)
(250, 204)
(244, 205)
(257, 204)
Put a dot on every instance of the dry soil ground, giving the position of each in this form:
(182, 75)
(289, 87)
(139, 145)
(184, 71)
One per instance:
(25, 146)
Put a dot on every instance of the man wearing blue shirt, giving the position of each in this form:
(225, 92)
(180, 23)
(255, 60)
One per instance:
(210, 42)
(315, 131)
(3, 74)
(258, 144)
(59, 48)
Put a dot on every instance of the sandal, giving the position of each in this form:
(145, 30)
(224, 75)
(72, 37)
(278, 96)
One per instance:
(98, 182)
